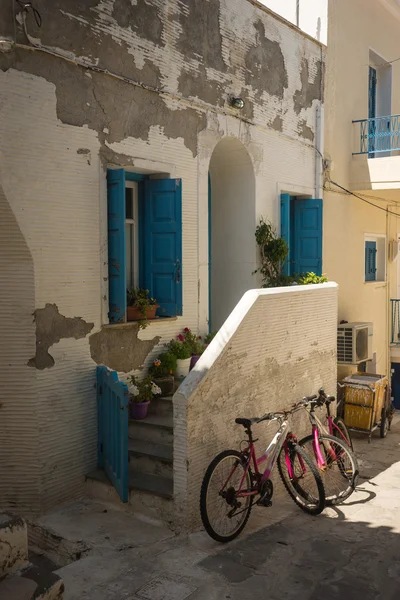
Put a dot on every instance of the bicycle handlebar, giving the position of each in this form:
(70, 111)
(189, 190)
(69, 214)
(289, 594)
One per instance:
(316, 399)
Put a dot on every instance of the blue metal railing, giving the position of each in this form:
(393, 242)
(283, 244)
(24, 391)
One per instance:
(381, 134)
(395, 304)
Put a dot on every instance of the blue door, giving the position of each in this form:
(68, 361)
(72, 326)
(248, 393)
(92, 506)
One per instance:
(116, 244)
(372, 79)
(396, 385)
(112, 411)
(286, 203)
(306, 255)
(162, 243)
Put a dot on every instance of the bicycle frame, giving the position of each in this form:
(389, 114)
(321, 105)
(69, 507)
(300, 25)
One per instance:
(317, 427)
(279, 441)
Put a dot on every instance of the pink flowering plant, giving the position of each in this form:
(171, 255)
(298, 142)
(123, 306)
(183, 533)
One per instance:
(164, 365)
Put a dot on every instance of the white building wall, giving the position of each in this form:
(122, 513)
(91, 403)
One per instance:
(53, 177)
(311, 17)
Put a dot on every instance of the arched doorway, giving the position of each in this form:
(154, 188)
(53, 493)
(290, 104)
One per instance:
(232, 221)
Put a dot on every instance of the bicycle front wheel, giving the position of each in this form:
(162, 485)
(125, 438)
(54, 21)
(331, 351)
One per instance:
(340, 471)
(301, 479)
(223, 513)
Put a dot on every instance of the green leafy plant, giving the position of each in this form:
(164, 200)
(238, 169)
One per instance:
(194, 341)
(142, 390)
(164, 365)
(273, 252)
(309, 278)
(140, 299)
(209, 337)
(180, 349)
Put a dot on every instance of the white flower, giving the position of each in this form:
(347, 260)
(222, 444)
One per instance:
(155, 389)
(134, 390)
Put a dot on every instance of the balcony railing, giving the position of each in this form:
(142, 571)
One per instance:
(374, 136)
(395, 339)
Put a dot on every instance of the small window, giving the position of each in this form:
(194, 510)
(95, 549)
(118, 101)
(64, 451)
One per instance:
(375, 258)
(132, 234)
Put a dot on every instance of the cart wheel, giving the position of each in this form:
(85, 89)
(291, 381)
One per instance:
(384, 428)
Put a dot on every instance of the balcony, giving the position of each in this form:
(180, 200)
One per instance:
(375, 163)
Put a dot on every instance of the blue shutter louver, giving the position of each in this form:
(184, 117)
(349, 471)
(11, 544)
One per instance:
(116, 244)
(162, 244)
(370, 261)
(307, 237)
(285, 229)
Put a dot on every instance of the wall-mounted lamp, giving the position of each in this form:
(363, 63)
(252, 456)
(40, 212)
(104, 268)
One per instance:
(236, 103)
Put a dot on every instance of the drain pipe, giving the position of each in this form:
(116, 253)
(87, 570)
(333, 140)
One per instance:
(319, 151)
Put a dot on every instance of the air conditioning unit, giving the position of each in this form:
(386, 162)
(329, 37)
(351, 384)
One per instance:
(354, 343)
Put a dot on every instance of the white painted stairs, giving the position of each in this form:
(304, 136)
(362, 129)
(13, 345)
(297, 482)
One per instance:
(19, 578)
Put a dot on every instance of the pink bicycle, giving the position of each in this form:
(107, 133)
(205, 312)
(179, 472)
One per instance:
(233, 479)
(332, 454)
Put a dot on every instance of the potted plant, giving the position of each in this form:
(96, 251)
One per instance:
(140, 307)
(162, 370)
(181, 350)
(196, 345)
(141, 394)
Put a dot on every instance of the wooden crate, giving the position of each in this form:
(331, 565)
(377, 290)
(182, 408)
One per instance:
(364, 398)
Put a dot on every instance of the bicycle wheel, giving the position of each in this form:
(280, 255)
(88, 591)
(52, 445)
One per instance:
(384, 426)
(305, 485)
(341, 432)
(340, 472)
(223, 514)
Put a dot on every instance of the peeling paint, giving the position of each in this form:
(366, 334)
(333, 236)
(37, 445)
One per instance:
(266, 70)
(142, 16)
(51, 327)
(277, 123)
(119, 348)
(305, 131)
(310, 90)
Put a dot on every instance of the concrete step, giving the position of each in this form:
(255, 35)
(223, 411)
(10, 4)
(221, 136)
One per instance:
(157, 429)
(32, 583)
(13, 544)
(152, 484)
(159, 507)
(147, 457)
(161, 406)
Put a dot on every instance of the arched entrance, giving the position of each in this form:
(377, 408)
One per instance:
(232, 221)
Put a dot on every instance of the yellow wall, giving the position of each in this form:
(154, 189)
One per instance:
(355, 27)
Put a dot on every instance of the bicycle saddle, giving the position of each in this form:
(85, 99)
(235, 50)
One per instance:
(246, 422)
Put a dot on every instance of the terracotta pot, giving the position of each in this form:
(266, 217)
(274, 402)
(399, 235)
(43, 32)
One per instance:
(134, 314)
(183, 366)
(166, 384)
(138, 410)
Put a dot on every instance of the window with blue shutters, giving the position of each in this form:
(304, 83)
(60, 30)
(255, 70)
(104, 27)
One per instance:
(370, 261)
(144, 241)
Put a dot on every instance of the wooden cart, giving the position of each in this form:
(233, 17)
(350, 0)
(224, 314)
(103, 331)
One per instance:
(366, 403)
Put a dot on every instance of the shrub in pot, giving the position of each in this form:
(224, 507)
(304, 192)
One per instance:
(141, 394)
(140, 306)
(181, 350)
(162, 371)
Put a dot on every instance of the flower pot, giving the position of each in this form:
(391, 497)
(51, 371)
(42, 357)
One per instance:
(134, 314)
(183, 366)
(138, 410)
(166, 384)
(194, 360)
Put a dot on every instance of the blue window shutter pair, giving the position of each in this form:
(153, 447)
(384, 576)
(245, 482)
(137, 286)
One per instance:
(161, 243)
(301, 227)
(370, 261)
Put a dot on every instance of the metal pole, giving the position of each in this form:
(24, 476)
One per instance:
(298, 13)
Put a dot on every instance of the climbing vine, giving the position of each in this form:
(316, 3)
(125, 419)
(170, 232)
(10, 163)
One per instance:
(273, 253)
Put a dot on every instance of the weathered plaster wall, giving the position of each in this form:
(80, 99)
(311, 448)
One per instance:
(154, 100)
(276, 347)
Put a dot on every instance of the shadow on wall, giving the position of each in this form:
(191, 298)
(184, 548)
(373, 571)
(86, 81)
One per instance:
(19, 430)
(233, 252)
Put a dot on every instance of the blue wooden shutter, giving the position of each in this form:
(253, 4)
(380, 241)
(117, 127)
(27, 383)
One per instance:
(307, 254)
(372, 79)
(162, 244)
(285, 229)
(370, 261)
(116, 244)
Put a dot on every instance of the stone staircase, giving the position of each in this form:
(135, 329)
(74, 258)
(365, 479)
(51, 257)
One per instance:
(150, 448)
(20, 579)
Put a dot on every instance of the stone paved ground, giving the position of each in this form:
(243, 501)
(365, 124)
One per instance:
(350, 552)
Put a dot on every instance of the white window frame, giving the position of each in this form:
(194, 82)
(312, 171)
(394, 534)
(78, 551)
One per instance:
(381, 256)
(135, 223)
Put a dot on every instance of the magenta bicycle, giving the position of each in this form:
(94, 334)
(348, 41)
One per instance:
(332, 454)
(233, 479)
